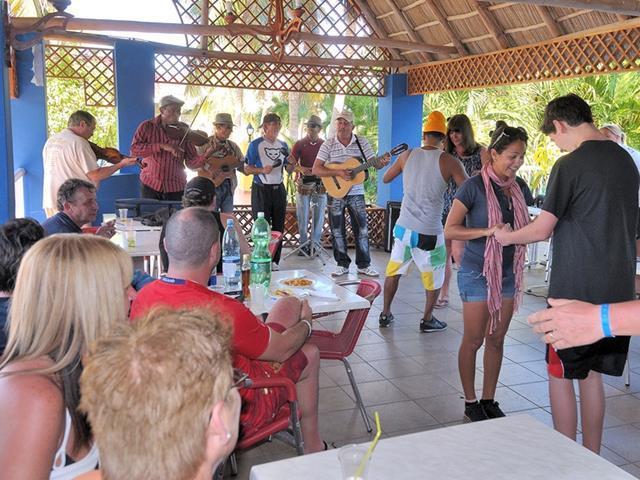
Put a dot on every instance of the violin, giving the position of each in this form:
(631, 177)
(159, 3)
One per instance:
(110, 154)
(181, 131)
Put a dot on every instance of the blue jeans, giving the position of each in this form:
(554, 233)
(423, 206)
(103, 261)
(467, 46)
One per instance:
(224, 197)
(302, 212)
(473, 285)
(357, 212)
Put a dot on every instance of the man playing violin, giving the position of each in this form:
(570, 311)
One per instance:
(342, 147)
(304, 153)
(222, 158)
(68, 154)
(164, 158)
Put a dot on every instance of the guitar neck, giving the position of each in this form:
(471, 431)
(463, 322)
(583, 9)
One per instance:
(364, 166)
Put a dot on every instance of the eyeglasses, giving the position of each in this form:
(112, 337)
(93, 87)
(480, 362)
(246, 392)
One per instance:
(455, 130)
(240, 379)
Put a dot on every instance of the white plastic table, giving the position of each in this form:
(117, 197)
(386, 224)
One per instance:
(514, 447)
(346, 299)
(147, 245)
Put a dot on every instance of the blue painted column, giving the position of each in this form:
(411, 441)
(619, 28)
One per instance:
(135, 87)
(399, 121)
(7, 200)
(29, 119)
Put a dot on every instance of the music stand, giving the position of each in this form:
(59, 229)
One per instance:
(315, 249)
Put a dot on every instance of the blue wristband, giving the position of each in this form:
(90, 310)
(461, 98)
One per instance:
(604, 320)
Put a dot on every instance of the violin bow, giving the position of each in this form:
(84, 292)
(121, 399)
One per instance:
(193, 121)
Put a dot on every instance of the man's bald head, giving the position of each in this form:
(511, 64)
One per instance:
(189, 236)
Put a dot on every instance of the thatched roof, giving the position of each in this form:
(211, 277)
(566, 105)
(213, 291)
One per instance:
(475, 27)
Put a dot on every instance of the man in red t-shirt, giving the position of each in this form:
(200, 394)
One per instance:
(260, 349)
(310, 188)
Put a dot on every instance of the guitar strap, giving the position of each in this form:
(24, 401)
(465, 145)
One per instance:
(363, 159)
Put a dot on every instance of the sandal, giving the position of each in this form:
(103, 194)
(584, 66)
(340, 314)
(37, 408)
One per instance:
(441, 303)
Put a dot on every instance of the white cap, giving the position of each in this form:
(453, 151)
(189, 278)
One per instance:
(260, 214)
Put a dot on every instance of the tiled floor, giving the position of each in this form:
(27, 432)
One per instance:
(411, 378)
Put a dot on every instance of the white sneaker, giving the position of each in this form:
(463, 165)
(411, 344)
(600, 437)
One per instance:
(339, 271)
(274, 267)
(369, 272)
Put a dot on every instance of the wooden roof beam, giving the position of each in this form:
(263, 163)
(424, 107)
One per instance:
(552, 25)
(162, 48)
(370, 17)
(410, 28)
(491, 24)
(23, 25)
(442, 18)
(622, 7)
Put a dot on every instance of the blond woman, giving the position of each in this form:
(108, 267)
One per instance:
(70, 290)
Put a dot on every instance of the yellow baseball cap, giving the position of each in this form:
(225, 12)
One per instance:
(435, 123)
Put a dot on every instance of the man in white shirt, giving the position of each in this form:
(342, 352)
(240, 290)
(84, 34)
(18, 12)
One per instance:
(68, 154)
(343, 146)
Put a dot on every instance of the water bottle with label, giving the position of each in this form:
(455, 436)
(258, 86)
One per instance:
(260, 256)
(231, 258)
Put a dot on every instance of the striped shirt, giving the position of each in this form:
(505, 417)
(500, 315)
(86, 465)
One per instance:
(332, 151)
(162, 172)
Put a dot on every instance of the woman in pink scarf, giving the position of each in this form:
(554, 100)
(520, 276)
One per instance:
(490, 276)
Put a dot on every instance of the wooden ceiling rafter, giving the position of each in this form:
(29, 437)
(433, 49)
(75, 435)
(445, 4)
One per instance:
(442, 18)
(623, 7)
(409, 27)
(374, 24)
(554, 28)
(491, 24)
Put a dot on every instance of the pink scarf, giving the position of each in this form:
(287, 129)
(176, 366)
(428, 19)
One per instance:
(492, 270)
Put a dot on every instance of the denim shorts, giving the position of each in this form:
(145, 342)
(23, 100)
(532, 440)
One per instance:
(473, 286)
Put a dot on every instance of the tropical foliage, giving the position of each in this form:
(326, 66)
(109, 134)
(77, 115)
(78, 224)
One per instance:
(613, 98)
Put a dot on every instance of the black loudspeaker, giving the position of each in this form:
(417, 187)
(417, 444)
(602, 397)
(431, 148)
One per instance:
(390, 217)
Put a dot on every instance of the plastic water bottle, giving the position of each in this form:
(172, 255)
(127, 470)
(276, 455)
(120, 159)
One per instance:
(231, 258)
(260, 257)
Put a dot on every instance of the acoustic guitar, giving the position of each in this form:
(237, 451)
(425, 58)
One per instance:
(338, 187)
(220, 164)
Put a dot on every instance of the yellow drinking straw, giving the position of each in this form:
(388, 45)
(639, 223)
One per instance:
(371, 447)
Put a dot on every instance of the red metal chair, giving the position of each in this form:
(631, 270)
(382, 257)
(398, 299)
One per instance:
(338, 346)
(287, 420)
(274, 243)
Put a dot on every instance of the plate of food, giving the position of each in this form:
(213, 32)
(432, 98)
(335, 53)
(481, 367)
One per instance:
(297, 282)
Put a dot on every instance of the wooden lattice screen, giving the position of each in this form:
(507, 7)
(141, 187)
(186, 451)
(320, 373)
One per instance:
(290, 237)
(94, 66)
(193, 70)
(608, 52)
(322, 17)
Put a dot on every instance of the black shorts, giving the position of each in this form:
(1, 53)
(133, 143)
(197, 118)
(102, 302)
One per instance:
(607, 356)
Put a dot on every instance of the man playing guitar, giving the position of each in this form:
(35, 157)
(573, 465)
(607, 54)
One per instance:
(344, 146)
(222, 158)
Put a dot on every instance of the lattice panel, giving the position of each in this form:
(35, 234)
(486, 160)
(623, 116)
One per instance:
(194, 70)
(608, 52)
(94, 66)
(322, 17)
(290, 238)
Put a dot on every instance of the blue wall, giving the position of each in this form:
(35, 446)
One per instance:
(135, 86)
(7, 205)
(399, 121)
(29, 117)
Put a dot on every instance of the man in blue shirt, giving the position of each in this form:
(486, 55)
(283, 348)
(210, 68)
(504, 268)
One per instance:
(266, 160)
(77, 206)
